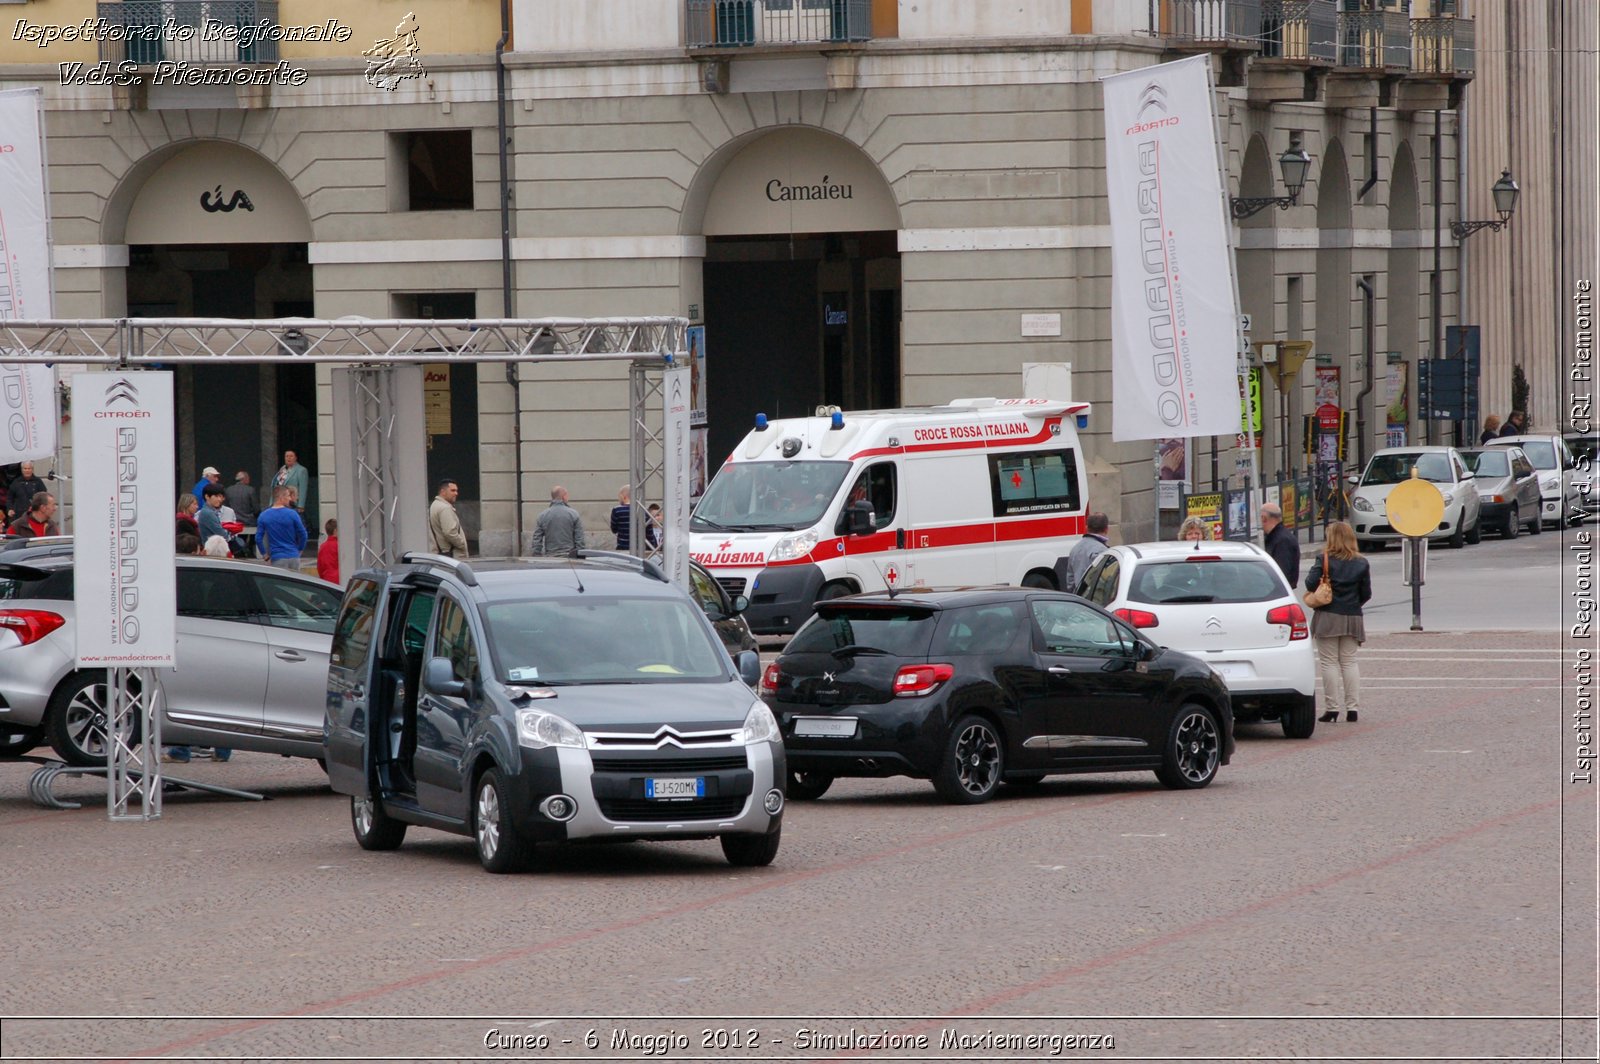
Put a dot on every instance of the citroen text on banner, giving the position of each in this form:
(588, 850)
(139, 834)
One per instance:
(125, 586)
(1174, 326)
(27, 391)
(675, 385)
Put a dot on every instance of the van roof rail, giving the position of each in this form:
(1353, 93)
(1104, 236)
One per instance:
(621, 558)
(462, 570)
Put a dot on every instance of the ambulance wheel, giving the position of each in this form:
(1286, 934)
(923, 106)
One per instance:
(837, 589)
(1040, 579)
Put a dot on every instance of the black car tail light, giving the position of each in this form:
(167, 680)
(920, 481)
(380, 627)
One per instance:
(769, 679)
(30, 626)
(1138, 618)
(914, 681)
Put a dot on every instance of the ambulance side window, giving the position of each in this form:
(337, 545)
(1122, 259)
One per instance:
(876, 484)
(1034, 482)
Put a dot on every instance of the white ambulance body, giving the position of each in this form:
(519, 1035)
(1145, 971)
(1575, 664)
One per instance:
(981, 491)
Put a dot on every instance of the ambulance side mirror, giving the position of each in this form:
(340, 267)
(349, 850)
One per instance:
(861, 518)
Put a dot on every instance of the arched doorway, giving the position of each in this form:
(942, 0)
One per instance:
(1405, 324)
(1257, 263)
(215, 230)
(801, 280)
(1335, 286)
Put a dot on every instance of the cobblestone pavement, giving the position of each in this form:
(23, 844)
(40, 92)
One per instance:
(1340, 897)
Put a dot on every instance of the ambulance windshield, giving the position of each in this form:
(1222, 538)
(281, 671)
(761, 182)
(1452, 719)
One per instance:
(768, 496)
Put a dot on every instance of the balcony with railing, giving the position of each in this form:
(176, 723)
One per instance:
(756, 23)
(1377, 41)
(1207, 25)
(1300, 31)
(199, 32)
(1444, 47)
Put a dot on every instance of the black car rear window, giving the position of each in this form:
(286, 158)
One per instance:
(23, 582)
(1222, 580)
(901, 631)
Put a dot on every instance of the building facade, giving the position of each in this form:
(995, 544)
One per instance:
(863, 201)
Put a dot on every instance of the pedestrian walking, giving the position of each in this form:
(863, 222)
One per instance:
(444, 524)
(622, 518)
(1280, 543)
(560, 529)
(187, 520)
(1339, 627)
(1193, 530)
(39, 519)
(652, 531)
(282, 530)
(1070, 570)
(294, 475)
(246, 503)
(1516, 423)
(1491, 429)
(328, 553)
(20, 491)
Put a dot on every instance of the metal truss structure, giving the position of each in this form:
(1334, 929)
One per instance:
(375, 347)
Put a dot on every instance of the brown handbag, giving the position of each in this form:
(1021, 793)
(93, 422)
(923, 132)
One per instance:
(1322, 594)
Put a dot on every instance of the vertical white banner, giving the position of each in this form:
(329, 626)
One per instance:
(1174, 314)
(27, 392)
(675, 388)
(125, 581)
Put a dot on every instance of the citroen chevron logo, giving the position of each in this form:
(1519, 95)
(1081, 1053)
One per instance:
(1152, 95)
(123, 389)
(1213, 622)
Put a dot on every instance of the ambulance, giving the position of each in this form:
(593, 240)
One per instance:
(981, 491)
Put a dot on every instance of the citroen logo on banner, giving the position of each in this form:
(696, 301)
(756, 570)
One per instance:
(122, 389)
(1152, 95)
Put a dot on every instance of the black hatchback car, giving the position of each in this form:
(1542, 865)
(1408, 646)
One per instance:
(977, 687)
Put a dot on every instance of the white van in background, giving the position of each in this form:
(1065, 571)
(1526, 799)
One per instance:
(980, 491)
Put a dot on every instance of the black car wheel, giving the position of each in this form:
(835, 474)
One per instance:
(971, 767)
(78, 717)
(1300, 719)
(500, 849)
(1513, 525)
(1194, 750)
(807, 786)
(1458, 538)
(14, 743)
(374, 828)
(752, 851)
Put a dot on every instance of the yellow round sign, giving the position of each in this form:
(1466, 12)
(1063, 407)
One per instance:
(1415, 507)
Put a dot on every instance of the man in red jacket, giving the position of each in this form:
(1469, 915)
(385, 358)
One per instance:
(39, 520)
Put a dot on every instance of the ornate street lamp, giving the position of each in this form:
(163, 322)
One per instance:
(1294, 164)
(1505, 193)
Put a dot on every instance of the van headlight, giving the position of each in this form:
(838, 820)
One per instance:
(791, 547)
(1361, 504)
(760, 726)
(538, 730)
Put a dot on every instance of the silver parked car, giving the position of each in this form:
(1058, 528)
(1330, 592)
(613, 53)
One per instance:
(252, 660)
(1561, 500)
(1508, 489)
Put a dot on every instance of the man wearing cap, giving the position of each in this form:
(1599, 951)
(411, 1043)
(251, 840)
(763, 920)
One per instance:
(208, 476)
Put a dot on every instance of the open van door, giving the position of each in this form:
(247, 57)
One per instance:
(347, 729)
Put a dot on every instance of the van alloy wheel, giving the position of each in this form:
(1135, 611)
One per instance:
(500, 848)
(374, 828)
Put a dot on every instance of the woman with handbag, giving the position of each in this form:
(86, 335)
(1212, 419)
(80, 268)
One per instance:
(1339, 584)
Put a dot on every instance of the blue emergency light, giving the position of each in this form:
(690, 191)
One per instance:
(1083, 421)
(761, 422)
(838, 421)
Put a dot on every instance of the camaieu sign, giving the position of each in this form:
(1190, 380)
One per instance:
(125, 588)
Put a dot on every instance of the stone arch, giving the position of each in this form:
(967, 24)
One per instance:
(204, 191)
(778, 179)
(1257, 177)
(1405, 311)
(1336, 292)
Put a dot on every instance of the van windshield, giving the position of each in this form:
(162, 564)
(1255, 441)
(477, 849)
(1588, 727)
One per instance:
(597, 639)
(768, 496)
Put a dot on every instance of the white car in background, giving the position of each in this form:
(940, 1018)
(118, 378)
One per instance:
(1228, 605)
(1560, 493)
(1444, 466)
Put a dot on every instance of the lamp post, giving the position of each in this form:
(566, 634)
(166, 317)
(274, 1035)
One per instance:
(1505, 193)
(1294, 164)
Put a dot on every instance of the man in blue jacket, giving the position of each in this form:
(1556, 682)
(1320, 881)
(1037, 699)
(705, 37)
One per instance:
(281, 529)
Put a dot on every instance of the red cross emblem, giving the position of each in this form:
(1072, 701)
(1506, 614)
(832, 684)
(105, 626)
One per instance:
(725, 544)
(892, 575)
(1016, 480)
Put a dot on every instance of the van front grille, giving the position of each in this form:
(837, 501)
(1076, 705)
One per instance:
(626, 809)
(665, 766)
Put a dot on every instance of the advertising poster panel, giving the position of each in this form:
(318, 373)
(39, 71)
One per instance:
(28, 416)
(1207, 508)
(125, 579)
(676, 441)
(1172, 472)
